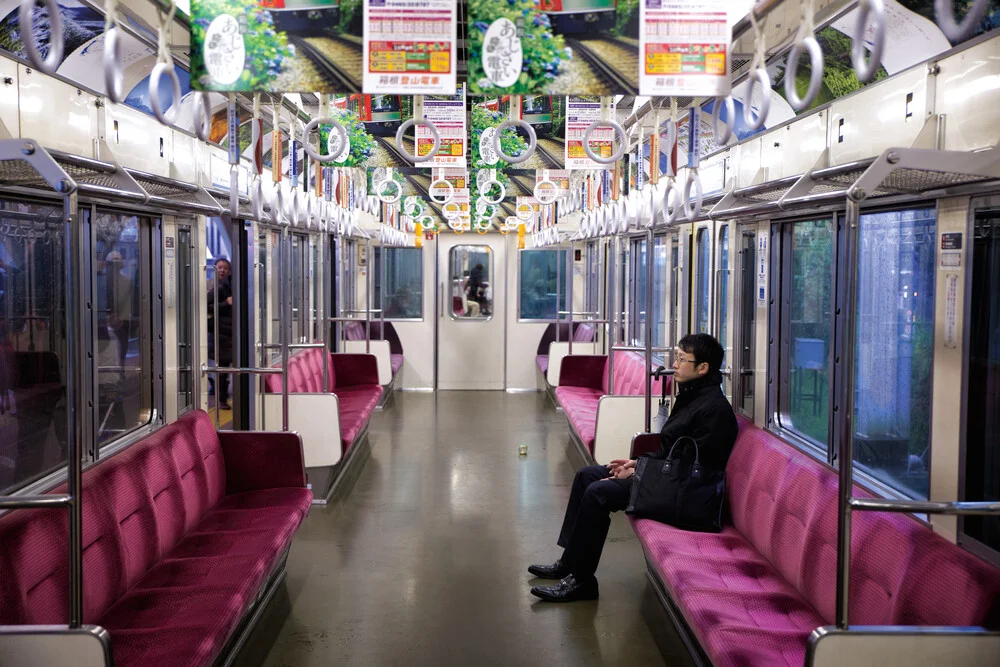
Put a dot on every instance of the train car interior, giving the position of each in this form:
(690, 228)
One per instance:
(500, 332)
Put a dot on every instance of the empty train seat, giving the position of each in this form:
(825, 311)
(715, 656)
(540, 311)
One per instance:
(552, 348)
(752, 594)
(605, 413)
(184, 533)
(385, 345)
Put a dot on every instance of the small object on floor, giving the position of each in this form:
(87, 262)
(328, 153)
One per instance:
(567, 590)
(523, 449)
(557, 570)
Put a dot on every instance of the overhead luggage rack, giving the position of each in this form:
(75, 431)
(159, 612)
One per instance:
(172, 193)
(246, 210)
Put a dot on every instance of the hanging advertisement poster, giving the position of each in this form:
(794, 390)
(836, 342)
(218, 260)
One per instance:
(410, 46)
(684, 48)
(459, 178)
(580, 113)
(558, 176)
(448, 116)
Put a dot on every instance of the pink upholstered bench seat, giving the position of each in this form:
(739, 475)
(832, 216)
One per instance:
(753, 593)
(356, 331)
(395, 362)
(352, 377)
(181, 532)
(583, 332)
(542, 361)
(583, 380)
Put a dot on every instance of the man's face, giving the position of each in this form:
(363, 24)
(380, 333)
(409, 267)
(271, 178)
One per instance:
(686, 368)
(222, 268)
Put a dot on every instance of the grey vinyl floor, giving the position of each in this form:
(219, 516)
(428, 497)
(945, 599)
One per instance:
(423, 561)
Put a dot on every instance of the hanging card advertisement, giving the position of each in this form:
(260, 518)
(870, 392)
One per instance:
(459, 178)
(448, 116)
(276, 45)
(684, 48)
(410, 46)
(580, 113)
(558, 176)
(556, 47)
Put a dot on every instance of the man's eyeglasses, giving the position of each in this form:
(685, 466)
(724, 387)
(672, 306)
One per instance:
(680, 360)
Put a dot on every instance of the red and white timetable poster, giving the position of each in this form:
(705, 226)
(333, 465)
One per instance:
(684, 48)
(580, 113)
(448, 116)
(410, 47)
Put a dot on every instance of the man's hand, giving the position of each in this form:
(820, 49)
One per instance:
(229, 301)
(624, 472)
(616, 463)
(619, 468)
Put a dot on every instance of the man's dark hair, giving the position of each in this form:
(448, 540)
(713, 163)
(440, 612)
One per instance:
(479, 266)
(223, 259)
(705, 350)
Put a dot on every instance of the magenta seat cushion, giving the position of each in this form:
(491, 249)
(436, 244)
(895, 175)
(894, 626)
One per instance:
(357, 404)
(579, 404)
(395, 362)
(542, 361)
(630, 375)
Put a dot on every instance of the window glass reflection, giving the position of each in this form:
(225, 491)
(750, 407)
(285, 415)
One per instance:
(471, 273)
(404, 278)
(543, 284)
(33, 345)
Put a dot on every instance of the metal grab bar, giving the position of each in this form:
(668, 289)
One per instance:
(632, 348)
(35, 502)
(362, 312)
(226, 370)
(574, 312)
(292, 346)
(986, 508)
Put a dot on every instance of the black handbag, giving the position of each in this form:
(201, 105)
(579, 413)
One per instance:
(678, 492)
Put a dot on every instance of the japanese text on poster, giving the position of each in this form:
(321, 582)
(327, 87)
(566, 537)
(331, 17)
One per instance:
(409, 47)
(684, 48)
(580, 113)
(448, 116)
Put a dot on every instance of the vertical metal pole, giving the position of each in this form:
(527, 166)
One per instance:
(613, 300)
(76, 321)
(559, 289)
(648, 335)
(324, 324)
(845, 446)
(286, 329)
(368, 296)
(384, 254)
(568, 265)
(215, 320)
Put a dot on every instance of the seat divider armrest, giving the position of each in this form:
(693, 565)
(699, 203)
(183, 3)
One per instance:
(644, 444)
(257, 460)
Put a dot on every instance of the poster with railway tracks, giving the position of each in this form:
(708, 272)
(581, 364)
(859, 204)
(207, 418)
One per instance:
(580, 113)
(287, 45)
(684, 48)
(410, 46)
(555, 47)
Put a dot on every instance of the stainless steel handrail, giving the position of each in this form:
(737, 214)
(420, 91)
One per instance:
(35, 502)
(229, 370)
(984, 508)
(292, 346)
(632, 348)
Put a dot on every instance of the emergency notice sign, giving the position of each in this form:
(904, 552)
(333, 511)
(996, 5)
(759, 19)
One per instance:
(684, 48)
(409, 47)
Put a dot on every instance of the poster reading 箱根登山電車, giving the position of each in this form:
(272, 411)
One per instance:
(411, 46)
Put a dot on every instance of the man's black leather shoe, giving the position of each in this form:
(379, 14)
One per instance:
(567, 590)
(555, 571)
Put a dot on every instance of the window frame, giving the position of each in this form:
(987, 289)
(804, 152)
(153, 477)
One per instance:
(491, 273)
(381, 278)
(564, 289)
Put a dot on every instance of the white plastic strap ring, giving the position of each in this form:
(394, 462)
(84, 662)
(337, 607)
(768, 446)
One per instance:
(161, 69)
(671, 205)
(54, 57)
(527, 152)
(434, 133)
(203, 117)
(722, 134)
(451, 210)
(671, 132)
(874, 11)
(617, 153)
(487, 186)
(113, 66)
(945, 15)
(547, 194)
(760, 78)
(434, 188)
(314, 125)
(692, 208)
(257, 200)
(815, 77)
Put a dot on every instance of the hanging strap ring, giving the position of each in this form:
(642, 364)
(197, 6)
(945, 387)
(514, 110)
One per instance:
(434, 187)
(874, 11)
(692, 209)
(257, 200)
(424, 123)
(114, 68)
(815, 77)
(54, 57)
(617, 153)
(527, 152)
(758, 77)
(545, 191)
(203, 116)
(314, 125)
(955, 32)
(161, 69)
(487, 186)
(723, 134)
(672, 200)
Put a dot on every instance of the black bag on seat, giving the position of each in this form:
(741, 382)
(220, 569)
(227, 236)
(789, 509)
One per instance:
(678, 492)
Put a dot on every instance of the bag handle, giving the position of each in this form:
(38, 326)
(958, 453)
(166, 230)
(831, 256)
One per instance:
(670, 454)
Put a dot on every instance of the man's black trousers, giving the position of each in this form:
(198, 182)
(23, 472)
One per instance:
(588, 516)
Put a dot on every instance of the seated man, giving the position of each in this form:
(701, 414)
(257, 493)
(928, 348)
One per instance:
(700, 411)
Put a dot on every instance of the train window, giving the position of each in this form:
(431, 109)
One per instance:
(807, 329)
(471, 273)
(300, 245)
(184, 289)
(33, 344)
(592, 289)
(672, 310)
(123, 354)
(894, 351)
(543, 284)
(702, 281)
(403, 286)
(982, 422)
(637, 292)
(317, 291)
(722, 303)
(660, 291)
(748, 323)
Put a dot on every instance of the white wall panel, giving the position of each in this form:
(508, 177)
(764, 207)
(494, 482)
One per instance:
(136, 140)
(56, 115)
(968, 94)
(9, 97)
